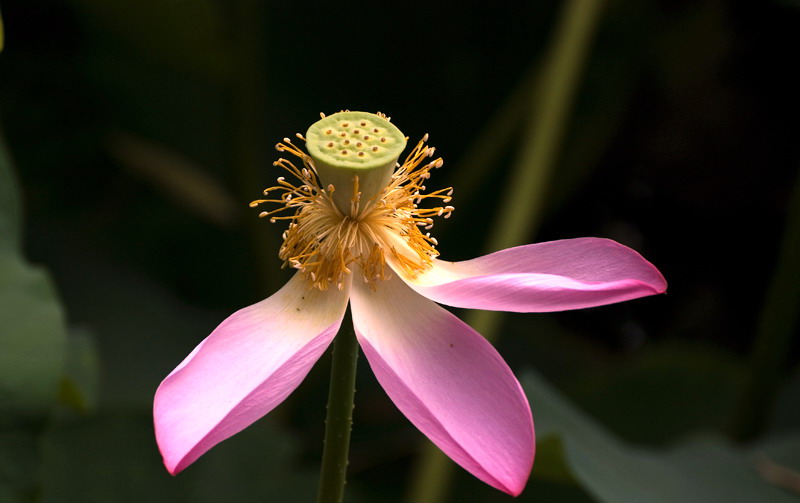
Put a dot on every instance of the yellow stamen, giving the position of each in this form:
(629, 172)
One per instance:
(323, 243)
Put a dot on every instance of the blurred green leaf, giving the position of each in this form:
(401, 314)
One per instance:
(258, 464)
(550, 463)
(10, 206)
(33, 336)
(115, 459)
(777, 327)
(778, 461)
(703, 469)
(103, 459)
(141, 329)
(662, 390)
(79, 386)
(782, 448)
(665, 390)
(787, 406)
(32, 341)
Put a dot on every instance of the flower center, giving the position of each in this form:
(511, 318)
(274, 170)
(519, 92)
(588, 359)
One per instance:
(327, 235)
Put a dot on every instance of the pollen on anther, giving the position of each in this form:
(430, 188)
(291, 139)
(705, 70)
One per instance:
(356, 131)
(346, 142)
(363, 123)
(361, 154)
(383, 140)
(344, 152)
(345, 124)
(359, 144)
(329, 131)
(330, 144)
(366, 137)
(374, 149)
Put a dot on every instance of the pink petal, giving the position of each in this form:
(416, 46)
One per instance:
(250, 363)
(552, 276)
(448, 380)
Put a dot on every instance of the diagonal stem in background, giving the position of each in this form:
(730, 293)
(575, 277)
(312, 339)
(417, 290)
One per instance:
(520, 213)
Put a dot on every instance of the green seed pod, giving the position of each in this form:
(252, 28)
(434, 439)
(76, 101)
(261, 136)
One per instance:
(346, 145)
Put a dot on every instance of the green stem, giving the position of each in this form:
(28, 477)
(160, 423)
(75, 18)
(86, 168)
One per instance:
(521, 212)
(495, 137)
(777, 325)
(520, 216)
(339, 420)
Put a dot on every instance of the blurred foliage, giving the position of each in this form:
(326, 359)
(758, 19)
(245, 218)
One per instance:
(704, 468)
(33, 336)
(111, 458)
(141, 130)
(79, 384)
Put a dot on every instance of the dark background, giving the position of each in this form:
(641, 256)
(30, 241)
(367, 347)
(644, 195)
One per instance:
(140, 130)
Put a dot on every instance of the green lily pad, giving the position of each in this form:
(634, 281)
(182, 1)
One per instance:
(706, 468)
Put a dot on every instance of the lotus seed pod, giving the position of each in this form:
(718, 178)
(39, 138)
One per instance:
(347, 145)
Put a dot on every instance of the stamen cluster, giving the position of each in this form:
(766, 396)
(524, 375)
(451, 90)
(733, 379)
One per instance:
(323, 242)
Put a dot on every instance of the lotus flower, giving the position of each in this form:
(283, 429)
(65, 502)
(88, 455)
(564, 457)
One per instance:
(359, 238)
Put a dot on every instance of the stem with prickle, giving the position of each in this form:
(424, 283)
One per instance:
(340, 417)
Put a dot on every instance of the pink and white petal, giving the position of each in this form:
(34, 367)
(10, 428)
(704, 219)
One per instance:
(448, 381)
(248, 365)
(542, 277)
